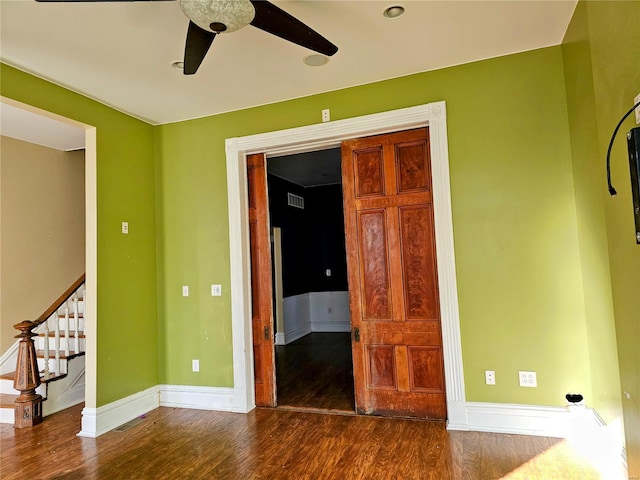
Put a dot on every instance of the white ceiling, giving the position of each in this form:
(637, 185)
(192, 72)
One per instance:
(120, 53)
(35, 128)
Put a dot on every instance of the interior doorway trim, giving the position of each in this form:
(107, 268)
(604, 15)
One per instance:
(91, 246)
(329, 135)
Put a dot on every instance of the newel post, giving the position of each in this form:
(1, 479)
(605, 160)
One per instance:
(28, 410)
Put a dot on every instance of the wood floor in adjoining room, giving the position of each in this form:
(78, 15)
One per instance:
(316, 371)
(172, 443)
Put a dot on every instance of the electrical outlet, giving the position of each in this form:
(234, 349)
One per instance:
(125, 227)
(216, 290)
(490, 377)
(195, 365)
(636, 101)
(326, 115)
(185, 290)
(528, 379)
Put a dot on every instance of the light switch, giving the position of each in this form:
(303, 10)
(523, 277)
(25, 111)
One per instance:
(216, 290)
(185, 290)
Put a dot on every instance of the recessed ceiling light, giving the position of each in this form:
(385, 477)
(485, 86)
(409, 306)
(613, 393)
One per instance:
(178, 65)
(395, 11)
(316, 60)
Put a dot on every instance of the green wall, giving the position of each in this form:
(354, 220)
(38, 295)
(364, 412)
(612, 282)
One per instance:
(127, 320)
(516, 235)
(602, 64)
(545, 263)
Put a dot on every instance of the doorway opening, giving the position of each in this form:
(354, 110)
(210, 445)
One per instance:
(40, 127)
(239, 152)
(314, 367)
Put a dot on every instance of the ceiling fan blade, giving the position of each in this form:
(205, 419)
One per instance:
(197, 46)
(277, 22)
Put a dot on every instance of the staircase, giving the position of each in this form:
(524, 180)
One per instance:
(60, 349)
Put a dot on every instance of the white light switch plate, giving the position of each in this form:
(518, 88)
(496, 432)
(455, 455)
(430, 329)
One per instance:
(185, 290)
(216, 290)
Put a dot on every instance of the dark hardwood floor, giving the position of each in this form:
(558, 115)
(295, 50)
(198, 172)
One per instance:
(316, 371)
(172, 443)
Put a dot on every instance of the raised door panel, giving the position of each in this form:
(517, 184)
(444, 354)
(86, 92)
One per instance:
(412, 167)
(425, 369)
(418, 263)
(369, 172)
(376, 303)
(381, 372)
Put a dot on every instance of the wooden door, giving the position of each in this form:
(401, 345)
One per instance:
(261, 306)
(393, 288)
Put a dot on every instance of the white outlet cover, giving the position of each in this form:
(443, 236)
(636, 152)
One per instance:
(125, 227)
(216, 290)
(490, 377)
(195, 365)
(528, 379)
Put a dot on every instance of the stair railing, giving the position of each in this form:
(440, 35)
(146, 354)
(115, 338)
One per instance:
(28, 410)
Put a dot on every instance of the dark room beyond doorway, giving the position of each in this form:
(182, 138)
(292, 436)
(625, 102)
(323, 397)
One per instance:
(314, 366)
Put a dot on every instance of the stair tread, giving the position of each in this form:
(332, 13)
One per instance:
(72, 334)
(71, 315)
(52, 377)
(7, 400)
(52, 354)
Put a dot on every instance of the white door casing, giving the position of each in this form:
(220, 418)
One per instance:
(329, 135)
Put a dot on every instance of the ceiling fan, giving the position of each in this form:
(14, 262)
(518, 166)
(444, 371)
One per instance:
(208, 18)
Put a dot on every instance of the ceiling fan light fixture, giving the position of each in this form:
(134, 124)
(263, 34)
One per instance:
(219, 15)
(394, 11)
(316, 60)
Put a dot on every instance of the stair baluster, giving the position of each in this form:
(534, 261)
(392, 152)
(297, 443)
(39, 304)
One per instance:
(46, 372)
(84, 308)
(76, 319)
(66, 330)
(56, 347)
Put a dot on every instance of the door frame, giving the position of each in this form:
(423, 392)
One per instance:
(329, 135)
(88, 428)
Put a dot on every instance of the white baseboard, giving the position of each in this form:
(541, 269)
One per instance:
(201, 398)
(582, 427)
(96, 421)
(7, 415)
(299, 332)
(535, 420)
